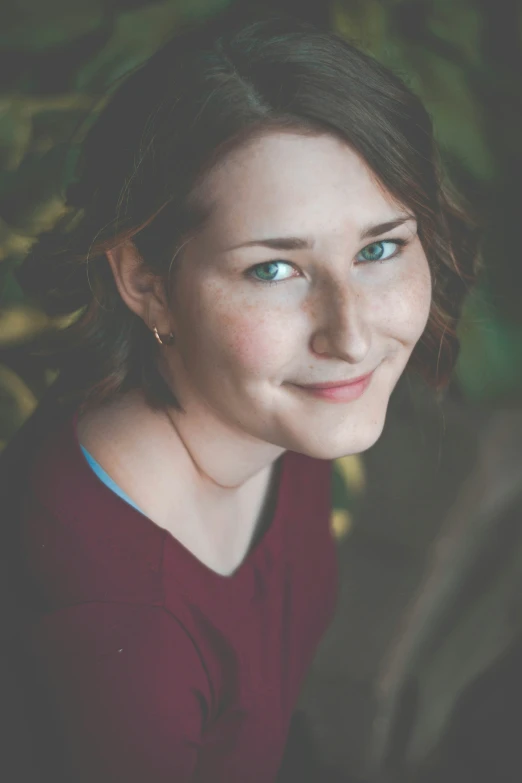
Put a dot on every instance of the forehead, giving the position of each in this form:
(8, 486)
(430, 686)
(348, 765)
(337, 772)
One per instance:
(286, 182)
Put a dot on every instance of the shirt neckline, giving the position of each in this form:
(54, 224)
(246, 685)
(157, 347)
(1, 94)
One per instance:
(246, 580)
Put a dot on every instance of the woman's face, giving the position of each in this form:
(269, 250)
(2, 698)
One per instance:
(355, 299)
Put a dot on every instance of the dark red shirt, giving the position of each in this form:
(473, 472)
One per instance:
(160, 669)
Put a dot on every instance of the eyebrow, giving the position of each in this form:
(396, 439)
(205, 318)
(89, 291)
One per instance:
(307, 243)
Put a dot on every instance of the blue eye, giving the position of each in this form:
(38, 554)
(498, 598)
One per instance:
(272, 269)
(266, 272)
(378, 251)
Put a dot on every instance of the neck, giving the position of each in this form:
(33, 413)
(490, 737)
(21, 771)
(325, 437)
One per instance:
(221, 459)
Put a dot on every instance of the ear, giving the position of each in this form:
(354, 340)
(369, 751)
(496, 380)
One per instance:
(142, 291)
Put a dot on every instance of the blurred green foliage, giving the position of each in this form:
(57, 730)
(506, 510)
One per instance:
(462, 56)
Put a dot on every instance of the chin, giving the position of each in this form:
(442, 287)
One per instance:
(333, 448)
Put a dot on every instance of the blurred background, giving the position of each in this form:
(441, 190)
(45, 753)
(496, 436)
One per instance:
(426, 521)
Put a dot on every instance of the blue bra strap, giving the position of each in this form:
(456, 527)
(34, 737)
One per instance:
(103, 476)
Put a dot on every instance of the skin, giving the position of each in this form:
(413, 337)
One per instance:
(239, 344)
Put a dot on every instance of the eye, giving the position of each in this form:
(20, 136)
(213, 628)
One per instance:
(268, 269)
(266, 272)
(380, 251)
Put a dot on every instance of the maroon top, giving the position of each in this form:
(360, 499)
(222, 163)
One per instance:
(162, 670)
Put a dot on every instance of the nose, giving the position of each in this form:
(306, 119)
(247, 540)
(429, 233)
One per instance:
(344, 330)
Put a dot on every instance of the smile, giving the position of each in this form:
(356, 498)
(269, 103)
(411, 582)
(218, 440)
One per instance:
(344, 393)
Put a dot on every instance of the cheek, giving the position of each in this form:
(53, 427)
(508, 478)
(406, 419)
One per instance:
(243, 336)
(404, 308)
(422, 292)
(256, 344)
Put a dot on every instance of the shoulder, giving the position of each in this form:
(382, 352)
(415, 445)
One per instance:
(132, 687)
(124, 632)
(99, 648)
(81, 542)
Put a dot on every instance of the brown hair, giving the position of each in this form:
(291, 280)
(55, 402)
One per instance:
(209, 89)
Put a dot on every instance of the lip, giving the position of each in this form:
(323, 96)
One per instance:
(340, 392)
(336, 384)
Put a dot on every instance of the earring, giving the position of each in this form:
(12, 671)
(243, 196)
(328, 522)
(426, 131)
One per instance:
(158, 338)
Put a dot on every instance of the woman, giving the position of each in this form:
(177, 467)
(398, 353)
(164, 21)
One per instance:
(258, 219)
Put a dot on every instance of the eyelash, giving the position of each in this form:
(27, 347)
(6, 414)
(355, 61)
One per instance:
(401, 244)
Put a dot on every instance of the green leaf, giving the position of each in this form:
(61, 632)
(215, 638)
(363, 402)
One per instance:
(17, 402)
(490, 363)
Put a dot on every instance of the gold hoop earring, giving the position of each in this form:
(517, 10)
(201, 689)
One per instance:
(158, 338)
